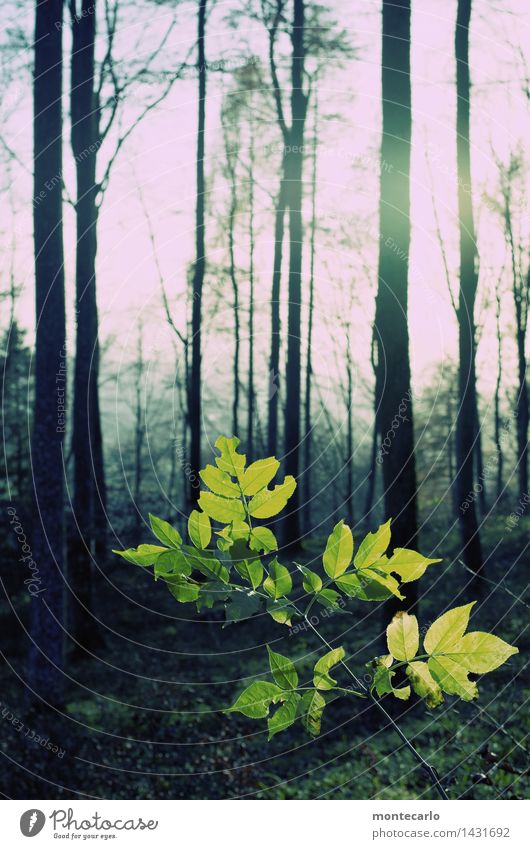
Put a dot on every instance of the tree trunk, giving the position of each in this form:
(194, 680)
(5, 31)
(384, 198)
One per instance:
(393, 401)
(86, 436)
(294, 167)
(250, 388)
(45, 677)
(235, 294)
(308, 436)
(497, 398)
(465, 430)
(522, 415)
(274, 362)
(200, 266)
(350, 512)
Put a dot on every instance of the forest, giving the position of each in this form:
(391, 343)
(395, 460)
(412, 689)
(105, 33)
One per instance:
(303, 225)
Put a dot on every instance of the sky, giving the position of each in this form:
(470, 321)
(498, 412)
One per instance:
(155, 172)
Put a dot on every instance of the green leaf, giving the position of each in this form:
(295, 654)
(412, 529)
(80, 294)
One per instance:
(447, 630)
(230, 461)
(481, 652)
(311, 708)
(452, 678)
(144, 555)
(281, 612)
(220, 509)
(373, 547)
(283, 670)
(321, 678)
(241, 606)
(403, 637)
(408, 564)
(382, 682)
(278, 583)
(328, 598)
(263, 539)
(269, 502)
(285, 716)
(171, 562)
(258, 475)
(210, 593)
(371, 576)
(251, 571)
(256, 700)
(360, 585)
(199, 529)
(424, 684)
(219, 482)
(181, 589)
(165, 532)
(339, 551)
(312, 583)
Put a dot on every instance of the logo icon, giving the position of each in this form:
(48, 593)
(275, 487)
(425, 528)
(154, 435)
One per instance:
(32, 822)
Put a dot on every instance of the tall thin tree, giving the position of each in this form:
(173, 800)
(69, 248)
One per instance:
(47, 607)
(195, 387)
(393, 394)
(466, 416)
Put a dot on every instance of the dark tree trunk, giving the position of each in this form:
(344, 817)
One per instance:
(274, 362)
(308, 436)
(235, 295)
(393, 401)
(479, 457)
(294, 167)
(200, 266)
(522, 414)
(350, 511)
(497, 398)
(465, 438)
(370, 483)
(87, 449)
(250, 388)
(45, 677)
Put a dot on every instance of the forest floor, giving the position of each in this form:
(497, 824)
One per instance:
(143, 718)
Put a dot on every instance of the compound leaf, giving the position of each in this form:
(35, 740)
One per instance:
(256, 700)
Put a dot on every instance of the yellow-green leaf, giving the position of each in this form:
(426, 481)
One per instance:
(256, 700)
(424, 684)
(283, 670)
(258, 475)
(373, 546)
(219, 482)
(408, 564)
(285, 716)
(165, 532)
(311, 582)
(199, 529)
(311, 708)
(447, 630)
(339, 551)
(382, 682)
(321, 677)
(402, 636)
(452, 677)
(230, 461)
(221, 509)
(481, 652)
(181, 589)
(144, 555)
(279, 582)
(263, 539)
(269, 502)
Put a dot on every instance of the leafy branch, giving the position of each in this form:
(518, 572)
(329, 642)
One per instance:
(242, 572)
